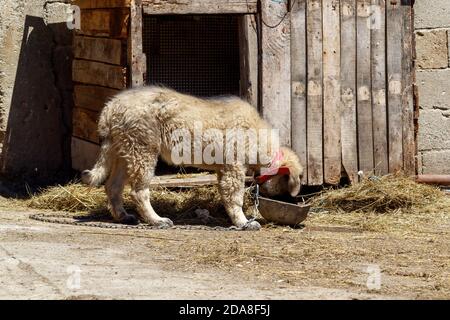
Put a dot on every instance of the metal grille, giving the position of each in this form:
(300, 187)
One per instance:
(195, 54)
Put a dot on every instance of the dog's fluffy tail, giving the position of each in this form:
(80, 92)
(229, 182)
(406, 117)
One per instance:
(102, 167)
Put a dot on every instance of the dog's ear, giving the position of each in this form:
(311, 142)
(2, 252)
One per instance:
(294, 185)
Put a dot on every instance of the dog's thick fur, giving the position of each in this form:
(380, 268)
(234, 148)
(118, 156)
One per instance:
(136, 127)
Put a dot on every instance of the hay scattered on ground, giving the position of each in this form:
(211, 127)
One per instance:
(375, 195)
(390, 203)
(380, 195)
(174, 202)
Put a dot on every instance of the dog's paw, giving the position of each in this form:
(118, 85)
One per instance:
(252, 226)
(164, 223)
(86, 177)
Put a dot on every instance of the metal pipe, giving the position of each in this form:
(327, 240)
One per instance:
(437, 179)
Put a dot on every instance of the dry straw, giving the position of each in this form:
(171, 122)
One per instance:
(381, 195)
(179, 203)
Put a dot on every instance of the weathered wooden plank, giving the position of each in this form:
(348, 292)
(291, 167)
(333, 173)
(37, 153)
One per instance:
(415, 94)
(409, 148)
(314, 92)
(299, 79)
(276, 68)
(84, 154)
(378, 47)
(100, 4)
(175, 181)
(98, 49)
(331, 92)
(200, 6)
(84, 124)
(363, 83)
(92, 97)
(348, 84)
(394, 27)
(112, 23)
(137, 60)
(96, 73)
(248, 40)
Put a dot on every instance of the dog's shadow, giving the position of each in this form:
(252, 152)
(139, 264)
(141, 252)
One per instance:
(187, 218)
(185, 207)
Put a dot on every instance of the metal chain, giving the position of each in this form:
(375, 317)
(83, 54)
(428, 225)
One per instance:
(256, 197)
(90, 222)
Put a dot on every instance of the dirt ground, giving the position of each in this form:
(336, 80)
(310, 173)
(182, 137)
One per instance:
(332, 257)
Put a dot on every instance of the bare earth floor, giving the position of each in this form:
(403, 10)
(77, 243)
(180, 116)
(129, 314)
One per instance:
(321, 261)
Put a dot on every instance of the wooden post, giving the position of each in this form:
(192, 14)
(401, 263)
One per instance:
(348, 75)
(394, 62)
(378, 39)
(331, 92)
(298, 74)
(409, 148)
(314, 92)
(248, 40)
(276, 67)
(364, 87)
(137, 60)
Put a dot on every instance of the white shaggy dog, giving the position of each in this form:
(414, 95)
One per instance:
(137, 126)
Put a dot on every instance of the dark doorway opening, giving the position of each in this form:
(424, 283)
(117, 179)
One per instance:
(195, 54)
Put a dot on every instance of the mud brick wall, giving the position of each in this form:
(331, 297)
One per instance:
(432, 24)
(35, 89)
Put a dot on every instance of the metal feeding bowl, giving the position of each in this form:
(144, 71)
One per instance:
(284, 213)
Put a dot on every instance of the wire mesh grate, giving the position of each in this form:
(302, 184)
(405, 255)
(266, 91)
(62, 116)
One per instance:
(195, 54)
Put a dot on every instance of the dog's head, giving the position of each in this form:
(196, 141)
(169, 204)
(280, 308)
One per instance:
(281, 184)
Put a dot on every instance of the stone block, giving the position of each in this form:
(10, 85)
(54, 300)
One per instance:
(432, 14)
(436, 162)
(432, 49)
(434, 89)
(434, 130)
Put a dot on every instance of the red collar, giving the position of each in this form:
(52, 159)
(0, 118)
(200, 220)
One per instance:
(282, 171)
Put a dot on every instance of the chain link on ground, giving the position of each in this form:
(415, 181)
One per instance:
(90, 221)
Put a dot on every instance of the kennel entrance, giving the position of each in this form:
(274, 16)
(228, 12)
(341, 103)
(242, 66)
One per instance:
(194, 54)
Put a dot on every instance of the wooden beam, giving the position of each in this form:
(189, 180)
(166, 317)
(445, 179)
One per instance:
(92, 97)
(315, 92)
(348, 75)
(248, 40)
(364, 87)
(84, 124)
(200, 6)
(331, 92)
(394, 62)
(101, 4)
(96, 73)
(177, 181)
(111, 23)
(97, 4)
(409, 143)
(84, 154)
(276, 67)
(299, 79)
(98, 49)
(137, 60)
(378, 47)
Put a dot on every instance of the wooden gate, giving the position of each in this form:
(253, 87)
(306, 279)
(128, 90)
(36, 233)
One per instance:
(350, 107)
(334, 76)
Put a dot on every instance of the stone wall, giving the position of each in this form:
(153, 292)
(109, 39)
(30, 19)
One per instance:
(35, 89)
(432, 24)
